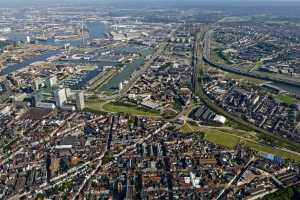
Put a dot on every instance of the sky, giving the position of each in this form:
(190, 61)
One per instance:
(8, 3)
(82, 1)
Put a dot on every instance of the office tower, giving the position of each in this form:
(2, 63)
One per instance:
(60, 97)
(36, 84)
(52, 81)
(36, 99)
(28, 40)
(80, 101)
(68, 92)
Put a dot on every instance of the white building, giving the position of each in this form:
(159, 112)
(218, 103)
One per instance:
(60, 97)
(45, 105)
(28, 40)
(68, 92)
(120, 86)
(36, 84)
(68, 107)
(220, 119)
(52, 81)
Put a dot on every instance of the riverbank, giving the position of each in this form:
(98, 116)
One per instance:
(20, 66)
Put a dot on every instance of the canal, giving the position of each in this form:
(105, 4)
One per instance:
(289, 88)
(126, 72)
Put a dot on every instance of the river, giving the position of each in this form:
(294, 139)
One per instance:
(96, 30)
(42, 57)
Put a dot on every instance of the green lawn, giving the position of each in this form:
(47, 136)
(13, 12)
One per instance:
(256, 65)
(233, 76)
(129, 109)
(230, 141)
(97, 105)
(271, 150)
(244, 78)
(213, 135)
(222, 138)
(286, 99)
(218, 57)
(188, 128)
(230, 138)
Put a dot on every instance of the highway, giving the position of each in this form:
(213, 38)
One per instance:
(195, 63)
(236, 70)
(201, 93)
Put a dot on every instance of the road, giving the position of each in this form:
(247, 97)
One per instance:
(137, 75)
(236, 70)
(128, 148)
(195, 64)
(71, 172)
(207, 44)
(201, 93)
(223, 193)
(134, 80)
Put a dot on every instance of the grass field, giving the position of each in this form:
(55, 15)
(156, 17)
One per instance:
(228, 75)
(231, 137)
(244, 78)
(189, 128)
(221, 138)
(117, 107)
(188, 109)
(286, 99)
(271, 150)
(256, 65)
(218, 57)
(265, 136)
(97, 105)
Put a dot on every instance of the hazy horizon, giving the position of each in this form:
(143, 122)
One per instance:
(224, 2)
